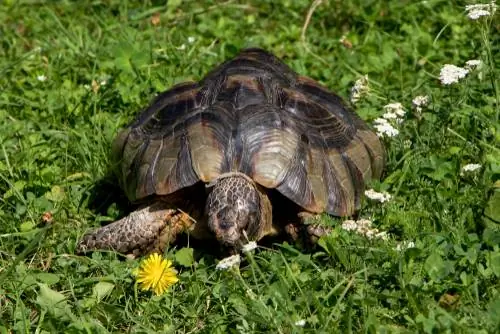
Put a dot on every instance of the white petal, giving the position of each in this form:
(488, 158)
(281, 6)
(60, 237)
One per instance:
(249, 247)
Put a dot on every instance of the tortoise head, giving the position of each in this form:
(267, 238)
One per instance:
(233, 209)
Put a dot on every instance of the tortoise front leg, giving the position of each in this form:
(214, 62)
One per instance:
(305, 231)
(146, 230)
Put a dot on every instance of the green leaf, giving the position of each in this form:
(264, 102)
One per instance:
(27, 226)
(492, 210)
(494, 310)
(184, 257)
(17, 188)
(47, 278)
(494, 263)
(491, 236)
(101, 290)
(436, 267)
(52, 301)
(56, 194)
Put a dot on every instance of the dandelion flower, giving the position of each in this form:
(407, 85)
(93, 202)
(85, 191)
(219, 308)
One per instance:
(452, 74)
(41, 78)
(228, 262)
(471, 167)
(156, 273)
(249, 247)
(359, 89)
(477, 11)
(376, 196)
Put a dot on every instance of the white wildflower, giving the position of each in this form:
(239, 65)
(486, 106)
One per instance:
(471, 167)
(364, 223)
(349, 225)
(381, 121)
(300, 323)
(393, 112)
(364, 227)
(395, 108)
(382, 235)
(405, 245)
(390, 115)
(477, 11)
(191, 39)
(228, 262)
(41, 78)
(182, 47)
(419, 102)
(384, 128)
(472, 64)
(451, 74)
(249, 247)
(376, 196)
(359, 89)
(86, 86)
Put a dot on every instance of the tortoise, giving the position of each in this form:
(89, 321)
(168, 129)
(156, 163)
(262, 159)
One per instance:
(253, 149)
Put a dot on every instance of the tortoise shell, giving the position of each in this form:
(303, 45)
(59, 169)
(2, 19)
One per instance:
(253, 114)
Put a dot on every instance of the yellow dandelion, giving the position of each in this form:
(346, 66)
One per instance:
(156, 273)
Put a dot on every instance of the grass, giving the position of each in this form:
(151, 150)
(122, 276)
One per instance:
(104, 60)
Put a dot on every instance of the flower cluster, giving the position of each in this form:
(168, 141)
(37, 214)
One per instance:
(228, 262)
(359, 89)
(394, 114)
(394, 111)
(451, 74)
(419, 102)
(376, 196)
(250, 246)
(477, 11)
(472, 64)
(470, 168)
(384, 128)
(405, 245)
(364, 227)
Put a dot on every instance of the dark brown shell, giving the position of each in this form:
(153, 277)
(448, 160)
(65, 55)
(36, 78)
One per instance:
(254, 115)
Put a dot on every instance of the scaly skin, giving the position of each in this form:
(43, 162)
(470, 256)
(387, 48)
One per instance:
(148, 229)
